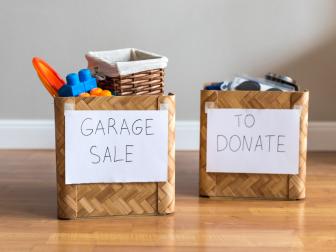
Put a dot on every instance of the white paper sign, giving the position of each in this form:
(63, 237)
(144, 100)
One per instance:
(103, 146)
(253, 140)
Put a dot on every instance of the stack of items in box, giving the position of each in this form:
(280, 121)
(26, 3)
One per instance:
(271, 82)
(109, 169)
(232, 114)
(118, 72)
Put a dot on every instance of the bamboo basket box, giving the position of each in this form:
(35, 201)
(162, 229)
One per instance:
(114, 199)
(254, 185)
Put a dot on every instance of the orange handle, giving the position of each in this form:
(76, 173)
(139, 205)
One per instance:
(48, 76)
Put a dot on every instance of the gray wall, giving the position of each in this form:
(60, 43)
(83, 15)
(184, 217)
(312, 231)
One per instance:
(204, 41)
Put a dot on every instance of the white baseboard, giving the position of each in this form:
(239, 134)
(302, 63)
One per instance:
(39, 134)
(27, 134)
(322, 136)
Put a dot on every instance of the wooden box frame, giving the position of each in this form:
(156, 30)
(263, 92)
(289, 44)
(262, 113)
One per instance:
(242, 185)
(113, 199)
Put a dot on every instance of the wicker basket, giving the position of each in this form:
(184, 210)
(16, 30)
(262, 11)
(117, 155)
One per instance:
(143, 83)
(92, 200)
(128, 71)
(262, 186)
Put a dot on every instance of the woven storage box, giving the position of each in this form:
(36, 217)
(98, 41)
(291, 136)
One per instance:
(243, 185)
(92, 200)
(128, 71)
(143, 83)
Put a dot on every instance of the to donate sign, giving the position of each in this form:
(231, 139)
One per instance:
(253, 140)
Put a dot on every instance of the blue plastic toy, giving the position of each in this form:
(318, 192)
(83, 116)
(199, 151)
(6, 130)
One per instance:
(224, 85)
(214, 86)
(78, 83)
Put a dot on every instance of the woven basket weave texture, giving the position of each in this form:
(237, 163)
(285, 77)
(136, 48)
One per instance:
(265, 186)
(149, 82)
(92, 200)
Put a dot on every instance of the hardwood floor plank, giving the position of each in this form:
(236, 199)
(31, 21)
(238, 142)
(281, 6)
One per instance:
(28, 214)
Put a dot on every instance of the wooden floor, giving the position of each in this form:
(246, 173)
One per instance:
(28, 214)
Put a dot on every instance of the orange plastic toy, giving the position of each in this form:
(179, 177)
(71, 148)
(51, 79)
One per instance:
(96, 91)
(84, 95)
(106, 93)
(48, 76)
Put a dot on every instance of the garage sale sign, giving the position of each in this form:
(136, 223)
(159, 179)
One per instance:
(111, 146)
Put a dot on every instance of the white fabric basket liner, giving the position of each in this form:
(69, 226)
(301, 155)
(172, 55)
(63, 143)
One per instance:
(124, 61)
